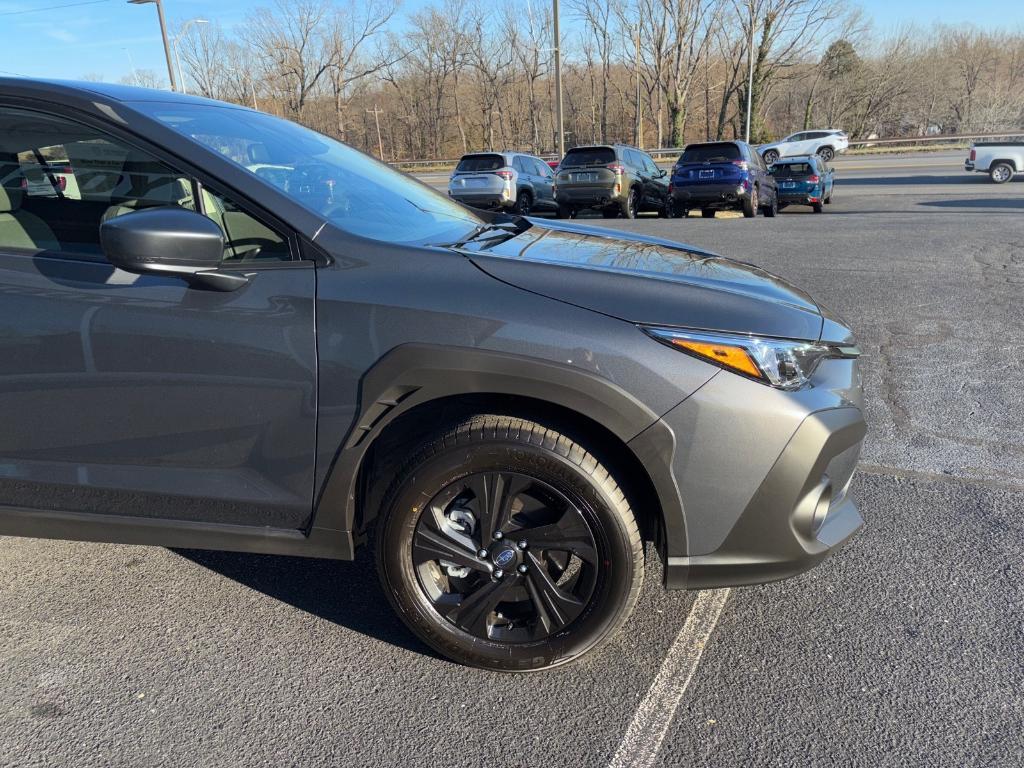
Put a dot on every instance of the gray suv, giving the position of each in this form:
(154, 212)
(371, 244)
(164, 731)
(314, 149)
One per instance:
(615, 179)
(196, 356)
(503, 180)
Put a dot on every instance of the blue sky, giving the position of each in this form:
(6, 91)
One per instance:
(109, 37)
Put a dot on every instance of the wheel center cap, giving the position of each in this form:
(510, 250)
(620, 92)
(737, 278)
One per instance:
(504, 557)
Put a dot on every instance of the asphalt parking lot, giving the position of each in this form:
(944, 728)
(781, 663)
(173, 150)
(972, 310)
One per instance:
(904, 649)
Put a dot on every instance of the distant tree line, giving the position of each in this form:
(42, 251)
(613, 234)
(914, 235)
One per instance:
(458, 76)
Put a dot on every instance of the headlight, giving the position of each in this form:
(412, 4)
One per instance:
(777, 362)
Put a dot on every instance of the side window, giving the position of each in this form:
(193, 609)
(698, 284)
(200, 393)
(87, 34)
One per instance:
(517, 163)
(632, 160)
(797, 137)
(541, 169)
(649, 165)
(61, 180)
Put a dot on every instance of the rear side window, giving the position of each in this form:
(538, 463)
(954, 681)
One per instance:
(588, 156)
(722, 152)
(481, 163)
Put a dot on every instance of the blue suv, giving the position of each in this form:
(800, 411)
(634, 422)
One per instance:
(722, 175)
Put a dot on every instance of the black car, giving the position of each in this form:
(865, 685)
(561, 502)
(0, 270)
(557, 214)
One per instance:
(194, 355)
(615, 179)
(722, 175)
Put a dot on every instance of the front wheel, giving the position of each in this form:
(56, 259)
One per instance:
(565, 212)
(826, 153)
(771, 210)
(506, 545)
(770, 157)
(1001, 173)
(817, 207)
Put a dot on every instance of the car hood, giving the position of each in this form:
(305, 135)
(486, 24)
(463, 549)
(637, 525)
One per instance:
(650, 281)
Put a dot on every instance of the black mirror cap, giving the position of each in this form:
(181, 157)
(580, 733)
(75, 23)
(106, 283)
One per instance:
(163, 239)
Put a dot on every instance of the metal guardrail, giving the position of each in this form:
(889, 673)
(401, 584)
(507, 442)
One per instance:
(675, 151)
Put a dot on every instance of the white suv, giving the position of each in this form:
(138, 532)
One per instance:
(824, 144)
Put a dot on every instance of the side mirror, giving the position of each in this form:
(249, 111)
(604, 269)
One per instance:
(169, 240)
(662, 173)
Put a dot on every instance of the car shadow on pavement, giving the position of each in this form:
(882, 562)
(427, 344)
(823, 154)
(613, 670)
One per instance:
(342, 592)
(961, 179)
(1014, 203)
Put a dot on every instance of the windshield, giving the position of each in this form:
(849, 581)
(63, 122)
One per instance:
(711, 153)
(348, 188)
(588, 156)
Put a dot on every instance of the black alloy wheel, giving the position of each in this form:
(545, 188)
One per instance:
(500, 550)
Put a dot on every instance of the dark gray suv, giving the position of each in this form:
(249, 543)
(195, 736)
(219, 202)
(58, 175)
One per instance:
(615, 179)
(194, 354)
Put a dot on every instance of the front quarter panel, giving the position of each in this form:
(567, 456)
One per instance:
(375, 298)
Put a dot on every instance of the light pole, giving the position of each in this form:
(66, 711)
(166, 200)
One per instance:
(163, 33)
(558, 83)
(177, 51)
(750, 77)
(376, 112)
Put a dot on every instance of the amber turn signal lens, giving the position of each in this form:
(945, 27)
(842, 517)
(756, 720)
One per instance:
(723, 354)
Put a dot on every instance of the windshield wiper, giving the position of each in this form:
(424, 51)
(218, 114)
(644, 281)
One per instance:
(503, 231)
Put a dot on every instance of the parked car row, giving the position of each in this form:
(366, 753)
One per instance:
(617, 179)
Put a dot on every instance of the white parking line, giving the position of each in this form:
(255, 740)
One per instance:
(646, 732)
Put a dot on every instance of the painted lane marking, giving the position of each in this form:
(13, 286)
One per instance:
(646, 732)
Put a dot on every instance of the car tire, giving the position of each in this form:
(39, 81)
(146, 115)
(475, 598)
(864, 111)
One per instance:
(524, 203)
(751, 203)
(771, 210)
(610, 212)
(826, 153)
(679, 212)
(565, 212)
(631, 207)
(556, 598)
(770, 157)
(707, 213)
(818, 207)
(1001, 172)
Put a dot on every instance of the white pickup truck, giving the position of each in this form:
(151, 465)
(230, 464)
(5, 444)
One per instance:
(1000, 161)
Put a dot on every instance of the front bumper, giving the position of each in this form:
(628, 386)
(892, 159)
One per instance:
(757, 486)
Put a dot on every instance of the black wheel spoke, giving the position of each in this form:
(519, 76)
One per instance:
(569, 534)
(494, 492)
(472, 611)
(555, 607)
(430, 545)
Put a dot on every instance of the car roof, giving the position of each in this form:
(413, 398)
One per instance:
(108, 91)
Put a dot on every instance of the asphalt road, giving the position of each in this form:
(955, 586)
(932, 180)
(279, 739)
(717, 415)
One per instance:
(904, 649)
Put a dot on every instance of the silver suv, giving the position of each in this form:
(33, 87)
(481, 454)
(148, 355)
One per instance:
(510, 180)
